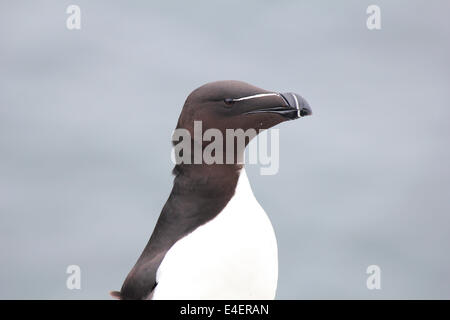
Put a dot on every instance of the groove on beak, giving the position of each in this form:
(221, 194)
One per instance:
(296, 101)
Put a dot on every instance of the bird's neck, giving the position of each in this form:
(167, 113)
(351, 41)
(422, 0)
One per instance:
(211, 180)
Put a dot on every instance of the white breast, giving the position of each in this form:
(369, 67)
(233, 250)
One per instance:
(233, 256)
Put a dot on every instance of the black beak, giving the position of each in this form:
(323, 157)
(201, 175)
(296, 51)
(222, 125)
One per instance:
(296, 101)
(294, 107)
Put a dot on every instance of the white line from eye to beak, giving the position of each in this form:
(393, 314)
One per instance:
(259, 95)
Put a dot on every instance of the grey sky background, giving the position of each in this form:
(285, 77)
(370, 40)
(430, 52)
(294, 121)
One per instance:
(86, 119)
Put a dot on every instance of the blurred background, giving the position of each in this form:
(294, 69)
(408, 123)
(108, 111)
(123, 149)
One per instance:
(86, 118)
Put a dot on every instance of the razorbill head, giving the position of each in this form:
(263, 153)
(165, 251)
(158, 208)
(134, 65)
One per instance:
(212, 239)
(238, 105)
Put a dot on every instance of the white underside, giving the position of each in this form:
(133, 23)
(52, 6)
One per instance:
(233, 256)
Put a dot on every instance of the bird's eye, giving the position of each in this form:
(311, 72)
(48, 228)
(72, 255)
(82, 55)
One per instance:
(228, 101)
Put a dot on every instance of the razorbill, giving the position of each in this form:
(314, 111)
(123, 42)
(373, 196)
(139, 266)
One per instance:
(212, 239)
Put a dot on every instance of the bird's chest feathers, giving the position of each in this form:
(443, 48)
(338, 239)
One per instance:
(237, 247)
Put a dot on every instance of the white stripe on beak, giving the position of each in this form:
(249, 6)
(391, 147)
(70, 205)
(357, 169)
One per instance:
(296, 104)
